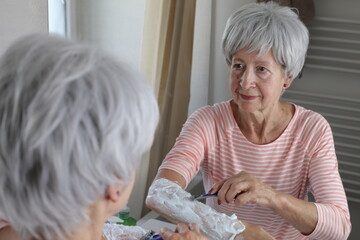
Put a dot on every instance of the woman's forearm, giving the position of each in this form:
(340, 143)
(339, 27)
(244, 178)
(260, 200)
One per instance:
(299, 213)
(172, 176)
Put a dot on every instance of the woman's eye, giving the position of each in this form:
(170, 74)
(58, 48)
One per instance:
(262, 69)
(238, 66)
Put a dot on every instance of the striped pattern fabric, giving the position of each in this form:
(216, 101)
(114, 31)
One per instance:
(302, 159)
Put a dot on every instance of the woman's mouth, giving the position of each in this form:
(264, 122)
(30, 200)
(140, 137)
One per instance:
(247, 97)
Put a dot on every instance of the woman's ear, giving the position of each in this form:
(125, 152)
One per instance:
(117, 195)
(113, 193)
(287, 83)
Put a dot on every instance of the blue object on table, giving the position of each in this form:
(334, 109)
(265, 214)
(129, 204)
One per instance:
(155, 237)
(151, 236)
(206, 195)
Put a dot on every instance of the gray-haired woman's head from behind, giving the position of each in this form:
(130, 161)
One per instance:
(73, 120)
(268, 26)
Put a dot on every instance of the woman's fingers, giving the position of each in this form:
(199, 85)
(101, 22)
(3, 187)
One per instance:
(182, 227)
(244, 198)
(194, 227)
(244, 188)
(232, 187)
(237, 190)
(166, 233)
(182, 232)
(216, 187)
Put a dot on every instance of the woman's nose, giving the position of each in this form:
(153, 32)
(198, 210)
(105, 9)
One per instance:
(247, 80)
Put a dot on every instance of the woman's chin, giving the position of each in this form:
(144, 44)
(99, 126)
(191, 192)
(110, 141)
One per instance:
(248, 109)
(248, 106)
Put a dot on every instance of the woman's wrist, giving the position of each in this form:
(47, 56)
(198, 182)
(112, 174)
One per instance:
(299, 213)
(277, 201)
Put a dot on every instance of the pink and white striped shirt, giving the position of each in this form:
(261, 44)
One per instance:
(303, 158)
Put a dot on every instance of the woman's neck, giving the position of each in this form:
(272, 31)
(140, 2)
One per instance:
(89, 232)
(93, 229)
(263, 127)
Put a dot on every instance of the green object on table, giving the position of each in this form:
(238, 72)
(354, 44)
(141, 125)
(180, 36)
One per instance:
(124, 214)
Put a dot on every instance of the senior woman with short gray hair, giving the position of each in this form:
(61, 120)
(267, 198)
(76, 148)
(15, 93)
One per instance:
(74, 123)
(262, 155)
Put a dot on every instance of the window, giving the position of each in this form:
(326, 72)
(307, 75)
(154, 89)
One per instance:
(57, 17)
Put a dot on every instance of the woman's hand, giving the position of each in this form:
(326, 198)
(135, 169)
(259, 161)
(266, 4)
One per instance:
(254, 232)
(245, 188)
(182, 232)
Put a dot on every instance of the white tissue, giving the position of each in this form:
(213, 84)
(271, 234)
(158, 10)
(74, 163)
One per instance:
(168, 198)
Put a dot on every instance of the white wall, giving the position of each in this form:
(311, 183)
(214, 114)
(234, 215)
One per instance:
(19, 17)
(209, 78)
(199, 84)
(115, 25)
(219, 71)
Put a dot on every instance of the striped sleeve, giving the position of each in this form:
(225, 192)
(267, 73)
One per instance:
(326, 186)
(188, 152)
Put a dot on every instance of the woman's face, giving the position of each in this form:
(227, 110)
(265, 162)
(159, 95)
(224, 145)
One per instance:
(256, 82)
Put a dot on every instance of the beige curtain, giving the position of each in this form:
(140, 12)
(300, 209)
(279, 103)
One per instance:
(166, 62)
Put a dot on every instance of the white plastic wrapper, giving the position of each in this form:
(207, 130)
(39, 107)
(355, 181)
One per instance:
(169, 199)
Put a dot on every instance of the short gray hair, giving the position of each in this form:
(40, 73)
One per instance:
(265, 26)
(73, 120)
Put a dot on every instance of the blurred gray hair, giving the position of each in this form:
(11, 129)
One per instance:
(73, 121)
(264, 26)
